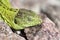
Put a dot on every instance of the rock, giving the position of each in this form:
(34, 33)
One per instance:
(47, 31)
(31, 32)
(7, 34)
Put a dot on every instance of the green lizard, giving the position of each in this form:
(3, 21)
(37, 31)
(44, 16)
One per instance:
(17, 18)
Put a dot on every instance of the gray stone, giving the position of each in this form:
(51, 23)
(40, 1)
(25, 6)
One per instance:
(47, 31)
(7, 34)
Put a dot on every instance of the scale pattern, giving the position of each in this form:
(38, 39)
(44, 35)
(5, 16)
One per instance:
(17, 18)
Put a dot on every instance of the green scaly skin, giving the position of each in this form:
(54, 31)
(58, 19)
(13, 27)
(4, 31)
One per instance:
(18, 18)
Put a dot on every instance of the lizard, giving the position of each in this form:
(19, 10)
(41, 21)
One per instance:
(18, 18)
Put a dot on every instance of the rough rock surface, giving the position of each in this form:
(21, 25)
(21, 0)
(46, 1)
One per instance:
(53, 12)
(7, 34)
(47, 31)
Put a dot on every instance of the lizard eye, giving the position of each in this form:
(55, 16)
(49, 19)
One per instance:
(15, 21)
